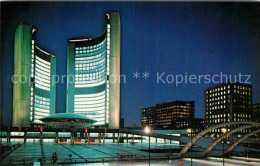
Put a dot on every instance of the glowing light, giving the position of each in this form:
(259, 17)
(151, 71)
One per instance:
(189, 130)
(147, 129)
(223, 130)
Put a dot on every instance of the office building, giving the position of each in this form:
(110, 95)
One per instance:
(34, 89)
(229, 102)
(93, 69)
(172, 115)
(256, 113)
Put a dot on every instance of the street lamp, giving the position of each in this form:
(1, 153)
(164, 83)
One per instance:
(147, 130)
(223, 130)
(190, 132)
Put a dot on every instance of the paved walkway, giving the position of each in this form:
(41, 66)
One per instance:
(67, 153)
(79, 153)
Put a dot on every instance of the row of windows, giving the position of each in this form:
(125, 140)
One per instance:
(45, 81)
(88, 79)
(90, 74)
(89, 84)
(90, 102)
(89, 95)
(43, 70)
(93, 111)
(87, 65)
(84, 64)
(43, 62)
(219, 98)
(32, 75)
(89, 70)
(42, 102)
(89, 51)
(32, 59)
(42, 74)
(93, 114)
(42, 87)
(98, 105)
(42, 77)
(41, 113)
(90, 47)
(108, 49)
(228, 87)
(42, 98)
(90, 54)
(41, 81)
(90, 58)
(175, 107)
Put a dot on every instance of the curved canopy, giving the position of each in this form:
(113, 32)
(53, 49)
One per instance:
(65, 120)
(66, 116)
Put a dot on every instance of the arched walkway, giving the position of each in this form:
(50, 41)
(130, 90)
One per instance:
(240, 140)
(211, 147)
(201, 134)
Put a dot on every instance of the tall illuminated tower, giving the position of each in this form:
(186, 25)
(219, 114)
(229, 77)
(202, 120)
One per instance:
(95, 65)
(34, 89)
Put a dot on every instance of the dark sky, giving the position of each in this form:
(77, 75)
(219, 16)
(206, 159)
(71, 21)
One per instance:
(197, 38)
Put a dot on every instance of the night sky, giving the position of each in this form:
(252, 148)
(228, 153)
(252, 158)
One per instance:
(197, 38)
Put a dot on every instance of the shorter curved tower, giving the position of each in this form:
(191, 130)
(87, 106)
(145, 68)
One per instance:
(34, 88)
(93, 75)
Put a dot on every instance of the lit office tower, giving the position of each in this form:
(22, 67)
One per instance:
(171, 115)
(34, 90)
(229, 102)
(95, 63)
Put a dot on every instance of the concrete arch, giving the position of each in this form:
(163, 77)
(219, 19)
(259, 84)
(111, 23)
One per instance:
(240, 140)
(201, 134)
(211, 147)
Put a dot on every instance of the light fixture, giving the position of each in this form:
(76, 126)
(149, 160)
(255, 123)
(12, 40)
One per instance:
(147, 129)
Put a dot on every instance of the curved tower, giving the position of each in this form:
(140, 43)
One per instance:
(34, 88)
(93, 73)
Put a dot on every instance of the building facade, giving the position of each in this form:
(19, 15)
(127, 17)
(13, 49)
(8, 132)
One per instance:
(256, 113)
(34, 89)
(93, 69)
(229, 102)
(172, 115)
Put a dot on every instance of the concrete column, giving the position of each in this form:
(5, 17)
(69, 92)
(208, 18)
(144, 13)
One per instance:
(56, 137)
(72, 138)
(88, 137)
(99, 137)
(85, 137)
(113, 137)
(118, 137)
(40, 137)
(164, 141)
(156, 140)
(103, 138)
(8, 137)
(133, 138)
(126, 138)
(24, 137)
(141, 139)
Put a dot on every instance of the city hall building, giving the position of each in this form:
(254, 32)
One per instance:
(91, 65)
(34, 90)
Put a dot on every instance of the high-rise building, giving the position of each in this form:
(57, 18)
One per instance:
(93, 69)
(172, 115)
(228, 102)
(34, 89)
(256, 113)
